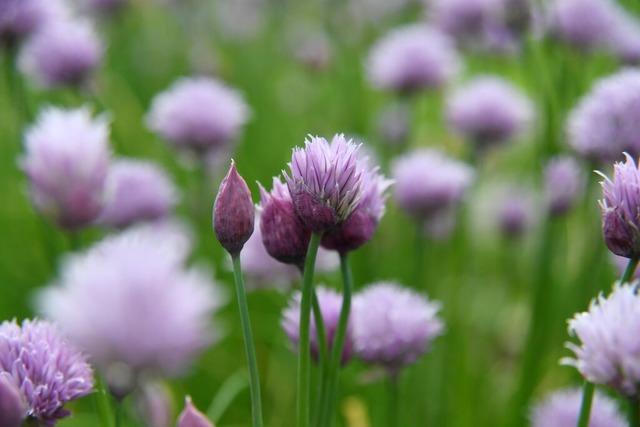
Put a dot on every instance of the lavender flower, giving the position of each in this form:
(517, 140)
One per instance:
(562, 408)
(393, 326)
(515, 212)
(22, 18)
(12, 406)
(132, 305)
(606, 121)
(330, 305)
(427, 182)
(463, 19)
(46, 369)
(412, 58)
(360, 226)
(583, 23)
(198, 114)
(489, 110)
(620, 207)
(607, 350)
(137, 191)
(325, 181)
(63, 53)
(66, 161)
(191, 417)
(564, 184)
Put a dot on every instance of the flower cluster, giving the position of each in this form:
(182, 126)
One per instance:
(561, 409)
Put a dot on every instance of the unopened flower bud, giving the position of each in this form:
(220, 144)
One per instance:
(191, 417)
(233, 212)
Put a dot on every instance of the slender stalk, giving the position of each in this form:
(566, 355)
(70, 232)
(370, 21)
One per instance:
(304, 351)
(338, 341)
(101, 401)
(392, 396)
(118, 411)
(323, 359)
(629, 270)
(254, 377)
(585, 407)
(634, 412)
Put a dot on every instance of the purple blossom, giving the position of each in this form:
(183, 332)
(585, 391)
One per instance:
(22, 18)
(624, 40)
(412, 58)
(393, 326)
(562, 408)
(564, 184)
(12, 405)
(489, 110)
(48, 371)
(66, 161)
(515, 212)
(427, 182)
(136, 191)
(582, 23)
(199, 114)
(191, 417)
(64, 53)
(463, 19)
(607, 352)
(325, 181)
(606, 121)
(620, 206)
(131, 303)
(330, 305)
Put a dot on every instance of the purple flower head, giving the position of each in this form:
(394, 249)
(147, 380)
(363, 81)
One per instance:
(412, 58)
(63, 53)
(585, 24)
(562, 408)
(607, 352)
(325, 181)
(624, 40)
(131, 303)
(363, 222)
(191, 417)
(330, 305)
(606, 121)
(46, 369)
(620, 209)
(284, 235)
(22, 18)
(427, 182)
(66, 161)
(12, 405)
(233, 212)
(515, 212)
(564, 184)
(393, 326)
(463, 19)
(136, 191)
(199, 114)
(489, 110)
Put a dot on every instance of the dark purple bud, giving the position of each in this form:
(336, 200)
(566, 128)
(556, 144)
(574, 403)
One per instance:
(353, 233)
(191, 417)
(12, 408)
(233, 212)
(284, 235)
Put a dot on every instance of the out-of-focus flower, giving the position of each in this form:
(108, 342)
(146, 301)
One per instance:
(606, 121)
(607, 350)
(562, 408)
(394, 124)
(66, 161)
(427, 182)
(241, 20)
(325, 181)
(489, 110)
(311, 48)
(363, 222)
(199, 114)
(463, 19)
(515, 212)
(624, 40)
(22, 18)
(12, 405)
(583, 23)
(330, 303)
(191, 417)
(47, 370)
(64, 53)
(412, 58)
(154, 405)
(620, 206)
(233, 212)
(136, 191)
(564, 184)
(393, 326)
(104, 7)
(130, 302)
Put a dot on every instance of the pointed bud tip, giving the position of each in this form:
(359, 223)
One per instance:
(191, 417)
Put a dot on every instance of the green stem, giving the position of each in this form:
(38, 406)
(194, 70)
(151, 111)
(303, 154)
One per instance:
(628, 272)
(392, 396)
(634, 412)
(118, 413)
(585, 407)
(323, 360)
(304, 351)
(103, 408)
(338, 341)
(254, 377)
